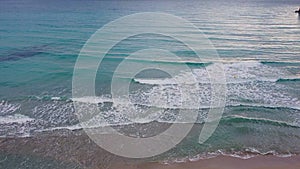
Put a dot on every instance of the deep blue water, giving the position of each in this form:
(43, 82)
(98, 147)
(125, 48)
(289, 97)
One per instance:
(258, 42)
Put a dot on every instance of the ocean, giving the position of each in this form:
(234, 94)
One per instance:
(257, 42)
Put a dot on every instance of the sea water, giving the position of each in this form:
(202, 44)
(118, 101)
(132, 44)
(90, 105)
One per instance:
(257, 41)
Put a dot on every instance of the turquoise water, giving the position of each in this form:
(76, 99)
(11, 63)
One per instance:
(258, 42)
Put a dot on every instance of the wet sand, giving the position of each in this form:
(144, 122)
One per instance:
(76, 149)
(222, 162)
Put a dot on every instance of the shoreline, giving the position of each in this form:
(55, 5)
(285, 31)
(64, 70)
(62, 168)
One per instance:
(76, 149)
(225, 162)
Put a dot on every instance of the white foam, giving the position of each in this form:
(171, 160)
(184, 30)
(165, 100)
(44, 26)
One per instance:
(7, 108)
(167, 94)
(56, 98)
(252, 71)
(72, 128)
(236, 72)
(155, 81)
(16, 118)
(91, 99)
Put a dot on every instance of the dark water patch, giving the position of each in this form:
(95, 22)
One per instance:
(189, 63)
(24, 53)
(241, 119)
(288, 80)
(280, 63)
(261, 107)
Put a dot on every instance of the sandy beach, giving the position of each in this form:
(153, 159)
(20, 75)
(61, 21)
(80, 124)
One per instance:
(76, 150)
